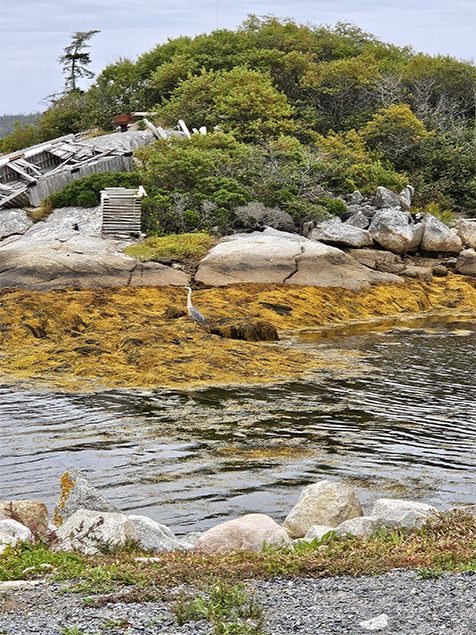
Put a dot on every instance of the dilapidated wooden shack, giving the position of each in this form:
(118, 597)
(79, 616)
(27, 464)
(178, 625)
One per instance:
(29, 176)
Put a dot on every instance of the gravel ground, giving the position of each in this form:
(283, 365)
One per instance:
(332, 606)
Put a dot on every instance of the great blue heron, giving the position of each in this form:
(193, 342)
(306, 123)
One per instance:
(192, 311)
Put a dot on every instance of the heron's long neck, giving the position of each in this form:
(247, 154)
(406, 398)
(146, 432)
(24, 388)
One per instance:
(189, 299)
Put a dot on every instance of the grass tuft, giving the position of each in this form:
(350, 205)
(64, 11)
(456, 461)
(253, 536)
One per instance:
(176, 246)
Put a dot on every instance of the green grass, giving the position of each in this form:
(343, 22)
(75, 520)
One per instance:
(446, 544)
(177, 246)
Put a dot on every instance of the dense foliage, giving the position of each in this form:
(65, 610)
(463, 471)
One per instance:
(310, 108)
(86, 192)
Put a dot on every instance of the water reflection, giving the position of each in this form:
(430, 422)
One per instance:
(403, 425)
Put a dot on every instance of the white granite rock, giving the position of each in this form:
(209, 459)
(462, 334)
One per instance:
(386, 198)
(12, 532)
(395, 231)
(466, 263)
(362, 527)
(13, 221)
(395, 513)
(336, 232)
(438, 237)
(467, 232)
(153, 536)
(89, 531)
(250, 532)
(323, 503)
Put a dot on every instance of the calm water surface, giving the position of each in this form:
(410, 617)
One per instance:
(404, 425)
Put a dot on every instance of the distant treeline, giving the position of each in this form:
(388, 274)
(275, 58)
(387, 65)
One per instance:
(298, 111)
(7, 122)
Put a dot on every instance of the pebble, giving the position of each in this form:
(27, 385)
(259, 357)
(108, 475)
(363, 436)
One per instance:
(396, 603)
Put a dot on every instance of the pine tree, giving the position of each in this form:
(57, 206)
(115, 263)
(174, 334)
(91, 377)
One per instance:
(75, 60)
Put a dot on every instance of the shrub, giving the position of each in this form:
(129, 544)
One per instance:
(85, 192)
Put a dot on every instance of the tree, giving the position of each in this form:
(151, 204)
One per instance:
(75, 60)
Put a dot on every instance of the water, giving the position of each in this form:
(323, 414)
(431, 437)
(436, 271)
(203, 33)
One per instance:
(401, 425)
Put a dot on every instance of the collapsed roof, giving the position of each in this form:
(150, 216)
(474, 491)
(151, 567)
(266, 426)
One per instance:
(28, 176)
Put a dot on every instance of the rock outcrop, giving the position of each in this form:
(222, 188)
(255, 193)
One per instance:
(323, 503)
(274, 256)
(67, 249)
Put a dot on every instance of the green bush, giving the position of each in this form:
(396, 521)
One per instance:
(86, 192)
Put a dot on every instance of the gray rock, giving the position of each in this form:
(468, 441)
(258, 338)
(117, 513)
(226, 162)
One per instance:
(405, 198)
(250, 532)
(77, 492)
(323, 503)
(192, 537)
(325, 266)
(317, 531)
(336, 232)
(359, 219)
(274, 256)
(363, 527)
(89, 531)
(13, 221)
(378, 260)
(401, 513)
(355, 198)
(52, 254)
(420, 273)
(438, 237)
(256, 214)
(467, 232)
(386, 198)
(12, 532)
(439, 270)
(466, 263)
(395, 231)
(153, 536)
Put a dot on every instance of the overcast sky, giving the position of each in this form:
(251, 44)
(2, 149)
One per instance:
(34, 32)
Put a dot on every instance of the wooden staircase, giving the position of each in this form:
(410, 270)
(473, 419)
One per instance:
(121, 212)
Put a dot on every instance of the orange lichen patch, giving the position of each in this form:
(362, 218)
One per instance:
(67, 484)
(128, 337)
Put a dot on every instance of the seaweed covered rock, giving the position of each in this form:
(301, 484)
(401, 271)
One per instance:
(249, 330)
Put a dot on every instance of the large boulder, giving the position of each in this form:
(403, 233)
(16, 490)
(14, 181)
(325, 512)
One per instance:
(153, 536)
(33, 514)
(323, 503)
(467, 232)
(334, 231)
(274, 256)
(395, 231)
(250, 532)
(386, 198)
(77, 492)
(395, 513)
(12, 532)
(325, 266)
(13, 221)
(438, 237)
(90, 532)
(466, 263)
(268, 256)
(378, 260)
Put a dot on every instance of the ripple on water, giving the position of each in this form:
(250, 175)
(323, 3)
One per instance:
(405, 426)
